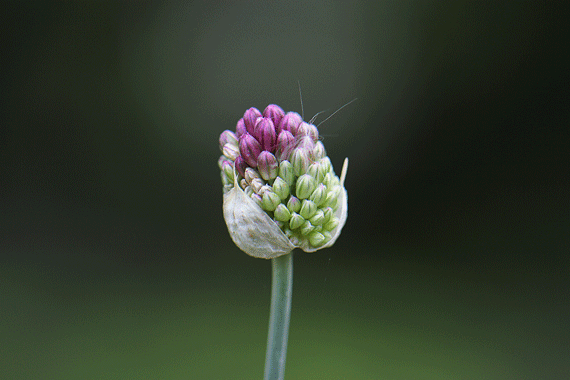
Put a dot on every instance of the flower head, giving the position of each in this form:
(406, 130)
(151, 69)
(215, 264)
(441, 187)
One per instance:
(280, 189)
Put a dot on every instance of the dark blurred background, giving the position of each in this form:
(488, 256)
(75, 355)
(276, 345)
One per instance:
(115, 259)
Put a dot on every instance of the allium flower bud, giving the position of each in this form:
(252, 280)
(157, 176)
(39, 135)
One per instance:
(267, 165)
(275, 113)
(303, 129)
(240, 128)
(307, 228)
(250, 117)
(280, 190)
(249, 148)
(290, 122)
(331, 224)
(285, 145)
(319, 195)
(332, 197)
(294, 204)
(308, 209)
(306, 129)
(270, 201)
(228, 170)
(228, 137)
(315, 170)
(325, 163)
(221, 161)
(328, 211)
(240, 165)
(251, 174)
(318, 218)
(286, 172)
(231, 151)
(257, 185)
(265, 134)
(316, 239)
(319, 151)
(305, 186)
(282, 214)
(296, 221)
(300, 161)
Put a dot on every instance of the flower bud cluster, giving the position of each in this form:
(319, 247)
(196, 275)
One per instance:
(277, 159)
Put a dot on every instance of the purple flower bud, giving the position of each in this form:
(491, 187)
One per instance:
(265, 134)
(304, 129)
(240, 165)
(313, 132)
(250, 117)
(240, 128)
(290, 122)
(306, 143)
(227, 137)
(285, 145)
(267, 165)
(275, 113)
(249, 148)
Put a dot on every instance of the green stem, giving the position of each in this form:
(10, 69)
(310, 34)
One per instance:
(280, 313)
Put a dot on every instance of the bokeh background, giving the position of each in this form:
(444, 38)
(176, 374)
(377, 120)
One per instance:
(115, 259)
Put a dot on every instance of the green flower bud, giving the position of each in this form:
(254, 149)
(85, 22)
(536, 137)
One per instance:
(318, 218)
(300, 161)
(228, 169)
(316, 171)
(316, 239)
(296, 221)
(281, 188)
(332, 197)
(327, 235)
(305, 186)
(308, 209)
(328, 211)
(328, 179)
(319, 151)
(319, 195)
(326, 164)
(270, 201)
(331, 180)
(282, 213)
(307, 228)
(294, 204)
(331, 224)
(287, 172)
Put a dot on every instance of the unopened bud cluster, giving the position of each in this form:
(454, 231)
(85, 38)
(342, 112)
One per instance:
(281, 164)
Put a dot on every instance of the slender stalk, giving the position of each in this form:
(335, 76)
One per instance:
(280, 313)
